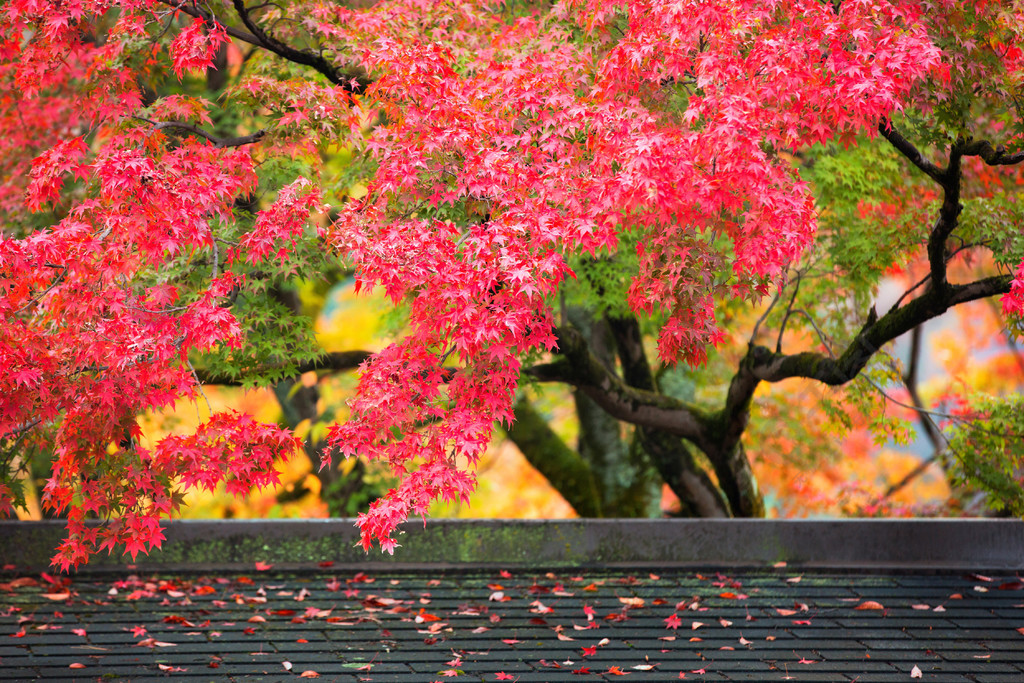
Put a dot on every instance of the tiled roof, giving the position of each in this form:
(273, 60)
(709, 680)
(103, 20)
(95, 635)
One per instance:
(528, 625)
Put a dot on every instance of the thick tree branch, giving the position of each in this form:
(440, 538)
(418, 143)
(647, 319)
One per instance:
(774, 367)
(697, 494)
(579, 368)
(993, 156)
(272, 44)
(949, 216)
(912, 153)
(338, 361)
(550, 456)
(931, 430)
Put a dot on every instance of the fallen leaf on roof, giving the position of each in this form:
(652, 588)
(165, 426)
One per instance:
(502, 676)
(915, 672)
(153, 642)
(785, 612)
(309, 674)
(869, 604)
(920, 606)
(263, 566)
(76, 665)
(616, 671)
(57, 596)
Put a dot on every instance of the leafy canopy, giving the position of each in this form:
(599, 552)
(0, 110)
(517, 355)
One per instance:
(500, 144)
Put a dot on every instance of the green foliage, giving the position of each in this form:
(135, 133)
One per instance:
(868, 220)
(995, 222)
(988, 452)
(601, 282)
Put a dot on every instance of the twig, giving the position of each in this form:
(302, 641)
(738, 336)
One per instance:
(821, 335)
(789, 311)
(757, 325)
(34, 300)
(199, 387)
(908, 477)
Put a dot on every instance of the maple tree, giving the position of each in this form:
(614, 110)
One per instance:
(546, 187)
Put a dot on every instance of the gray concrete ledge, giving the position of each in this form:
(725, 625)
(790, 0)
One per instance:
(853, 544)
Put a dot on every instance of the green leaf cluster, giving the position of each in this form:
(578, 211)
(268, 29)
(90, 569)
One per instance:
(988, 452)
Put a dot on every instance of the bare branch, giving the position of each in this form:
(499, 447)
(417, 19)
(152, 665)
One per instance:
(789, 311)
(338, 361)
(217, 142)
(910, 476)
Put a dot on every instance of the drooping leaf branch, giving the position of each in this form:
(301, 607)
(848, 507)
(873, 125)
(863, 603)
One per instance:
(352, 78)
